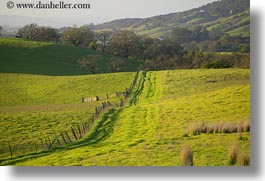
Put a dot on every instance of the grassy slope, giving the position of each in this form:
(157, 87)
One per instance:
(234, 25)
(161, 26)
(43, 107)
(21, 89)
(22, 56)
(243, 30)
(151, 131)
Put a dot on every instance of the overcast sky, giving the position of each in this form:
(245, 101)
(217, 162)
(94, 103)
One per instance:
(101, 10)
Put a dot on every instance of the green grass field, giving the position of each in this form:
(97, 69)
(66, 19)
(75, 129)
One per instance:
(151, 128)
(29, 57)
(36, 106)
(22, 89)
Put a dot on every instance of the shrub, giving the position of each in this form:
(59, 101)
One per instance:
(233, 153)
(186, 156)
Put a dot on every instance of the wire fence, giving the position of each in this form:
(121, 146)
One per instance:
(66, 137)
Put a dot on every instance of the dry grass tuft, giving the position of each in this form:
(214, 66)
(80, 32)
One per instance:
(247, 126)
(227, 127)
(240, 127)
(243, 159)
(211, 128)
(197, 128)
(222, 127)
(186, 156)
(233, 154)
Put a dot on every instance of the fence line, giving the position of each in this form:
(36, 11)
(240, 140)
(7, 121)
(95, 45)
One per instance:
(63, 138)
(57, 100)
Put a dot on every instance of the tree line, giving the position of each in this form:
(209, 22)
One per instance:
(183, 49)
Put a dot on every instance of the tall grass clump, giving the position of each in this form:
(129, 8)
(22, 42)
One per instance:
(243, 159)
(233, 154)
(227, 127)
(211, 128)
(247, 126)
(197, 128)
(222, 127)
(186, 156)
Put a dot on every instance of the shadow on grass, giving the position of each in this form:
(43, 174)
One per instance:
(139, 89)
(102, 130)
(25, 57)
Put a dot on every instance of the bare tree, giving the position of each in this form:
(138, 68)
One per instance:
(104, 37)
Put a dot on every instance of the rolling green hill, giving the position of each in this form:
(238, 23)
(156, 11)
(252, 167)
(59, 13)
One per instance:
(152, 127)
(21, 89)
(229, 16)
(28, 57)
(38, 106)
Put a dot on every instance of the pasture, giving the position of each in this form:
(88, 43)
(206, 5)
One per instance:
(35, 107)
(41, 58)
(153, 126)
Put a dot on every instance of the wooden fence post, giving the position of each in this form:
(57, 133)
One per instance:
(92, 118)
(96, 109)
(58, 141)
(73, 131)
(84, 128)
(79, 130)
(10, 150)
(121, 102)
(52, 143)
(63, 138)
(126, 94)
(68, 137)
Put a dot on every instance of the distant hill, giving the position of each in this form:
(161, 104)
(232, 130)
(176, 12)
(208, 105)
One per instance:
(29, 57)
(229, 16)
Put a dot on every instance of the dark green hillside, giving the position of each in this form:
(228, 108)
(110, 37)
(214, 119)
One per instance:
(228, 16)
(22, 56)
